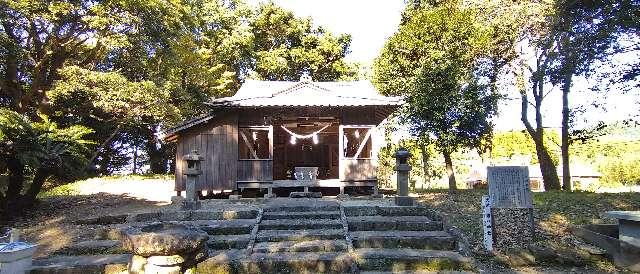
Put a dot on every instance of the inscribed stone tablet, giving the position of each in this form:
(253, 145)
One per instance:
(509, 186)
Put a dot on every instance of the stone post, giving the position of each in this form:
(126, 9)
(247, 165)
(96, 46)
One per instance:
(403, 168)
(192, 171)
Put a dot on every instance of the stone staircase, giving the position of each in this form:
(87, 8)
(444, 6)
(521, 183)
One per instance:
(397, 239)
(290, 236)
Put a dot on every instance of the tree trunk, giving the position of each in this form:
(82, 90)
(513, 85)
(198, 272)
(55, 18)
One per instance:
(102, 146)
(135, 159)
(39, 178)
(547, 168)
(14, 187)
(425, 165)
(566, 174)
(450, 172)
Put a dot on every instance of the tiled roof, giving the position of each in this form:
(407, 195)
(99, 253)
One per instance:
(306, 93)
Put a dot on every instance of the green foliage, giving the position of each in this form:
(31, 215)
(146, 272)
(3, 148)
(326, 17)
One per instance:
(437, 51)
(511, 144)
(438, 61)
(285, 45)
(621, 170)
(110, 96)
(41, 148)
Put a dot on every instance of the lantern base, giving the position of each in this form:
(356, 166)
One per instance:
(404, 201)
(190, 205)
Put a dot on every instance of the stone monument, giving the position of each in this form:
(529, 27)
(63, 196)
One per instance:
(192, 171)
(403, 169)
(511, 206)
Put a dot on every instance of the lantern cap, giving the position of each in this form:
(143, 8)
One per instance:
(193, 156)
(402, 153)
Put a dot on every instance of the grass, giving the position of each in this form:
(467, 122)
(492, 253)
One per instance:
(554, 212)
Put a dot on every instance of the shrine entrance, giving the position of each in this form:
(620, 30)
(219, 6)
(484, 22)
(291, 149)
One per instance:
(306, 142)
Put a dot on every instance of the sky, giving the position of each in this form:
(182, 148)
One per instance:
(371, 22)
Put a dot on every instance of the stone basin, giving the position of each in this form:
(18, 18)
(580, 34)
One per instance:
(164, 239)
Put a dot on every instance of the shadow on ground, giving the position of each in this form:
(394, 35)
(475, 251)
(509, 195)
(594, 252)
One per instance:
(50, 222)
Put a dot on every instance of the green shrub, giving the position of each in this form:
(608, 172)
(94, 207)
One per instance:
(623, 170)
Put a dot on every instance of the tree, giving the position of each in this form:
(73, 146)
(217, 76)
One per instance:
(107, 100)
(41, 37)
(436, 61)
(39, 147)
(584, 32)
(285, 46)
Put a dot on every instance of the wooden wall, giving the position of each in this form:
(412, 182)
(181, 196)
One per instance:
(217, 141)
(255, 170)
(357, 169)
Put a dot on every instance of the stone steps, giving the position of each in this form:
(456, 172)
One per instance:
(303, 208)
(432, 240)
(194, 215)
(226, 227)
(220, 242)
(236, 261)
(306, 246)
(299, 235)
(422, 223)
(351, 211)
(108, 264)
(416, 272)
(92, 247)
(398, 259)
(301, 215)
(294, 224)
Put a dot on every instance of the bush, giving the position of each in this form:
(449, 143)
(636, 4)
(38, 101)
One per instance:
(623, 170)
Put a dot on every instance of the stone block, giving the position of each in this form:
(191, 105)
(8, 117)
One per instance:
(176, 200)
(305, 195)
(175, 216)
(136, 264)
(235, 197)
(404, 201)
(269, 196)
(190, 205)
(512, 227)
(149, 268)
(166, 260)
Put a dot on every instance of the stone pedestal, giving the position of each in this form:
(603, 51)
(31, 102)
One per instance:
(404, 201)
(512, 227)
(165, 248)
(190, 205)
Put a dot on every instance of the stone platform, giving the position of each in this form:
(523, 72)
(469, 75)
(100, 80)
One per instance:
(287, 235)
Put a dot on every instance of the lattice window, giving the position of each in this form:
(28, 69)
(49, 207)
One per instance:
(254, 143)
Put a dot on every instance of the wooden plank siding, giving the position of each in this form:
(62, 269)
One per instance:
(217, 141)
(255, 170)
(357, 169)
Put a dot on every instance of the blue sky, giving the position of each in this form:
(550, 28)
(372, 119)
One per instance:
(371, 22)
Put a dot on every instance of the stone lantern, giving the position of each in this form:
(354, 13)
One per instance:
(193, 170)
(403, 168)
